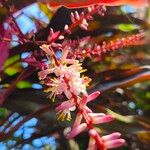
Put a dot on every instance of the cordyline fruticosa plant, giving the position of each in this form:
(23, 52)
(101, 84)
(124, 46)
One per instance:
(63, 77)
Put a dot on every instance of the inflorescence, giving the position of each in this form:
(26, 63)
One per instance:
(64, 75)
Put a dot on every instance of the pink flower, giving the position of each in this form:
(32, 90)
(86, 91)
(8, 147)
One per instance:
(113, 140)
(75, 131)
(84, 111)
(106, 142)
(68, 81)
(102, 119)
(95, 141)
(68, 75)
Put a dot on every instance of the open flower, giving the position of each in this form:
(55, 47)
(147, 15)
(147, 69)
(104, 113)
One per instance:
(67, 76)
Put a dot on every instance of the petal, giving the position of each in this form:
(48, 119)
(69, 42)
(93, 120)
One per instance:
(87, 110)
(102, 119)
(93, 96)
(78, 120)
(77, 130)
(65, 105)
(115, 143)
(112, 136)
(43, 74)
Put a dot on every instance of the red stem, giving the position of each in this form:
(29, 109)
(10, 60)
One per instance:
(24, 74)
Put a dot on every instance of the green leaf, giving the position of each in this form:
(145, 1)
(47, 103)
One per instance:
(24, 84)
(11, 60)
(13, 69)
(126, 119)
(126, 27)
(12, 66)
(3, 112)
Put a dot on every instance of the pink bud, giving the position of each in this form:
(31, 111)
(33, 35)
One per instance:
(83, 26)
(112, 136)
(72, 17)
(76, 131)
(93, 96)
(78, 120)
(65, 105)
(115, 143)
(102, 119)
(77, 16)
(87, 110)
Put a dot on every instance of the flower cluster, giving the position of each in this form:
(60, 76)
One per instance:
(67, 73)
(84, 48)
(64, 76)
(67, 80)
(77, 19)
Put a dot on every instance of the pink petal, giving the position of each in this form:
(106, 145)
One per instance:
(77, 130)
(78, 120)
(93, 96)
(87, 110)
(43, 74)
(112, 136)
(65, 105)
(115, 143)
(88, 98)
(102, 119)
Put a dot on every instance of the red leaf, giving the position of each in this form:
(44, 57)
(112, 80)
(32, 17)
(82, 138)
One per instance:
(4, 46)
